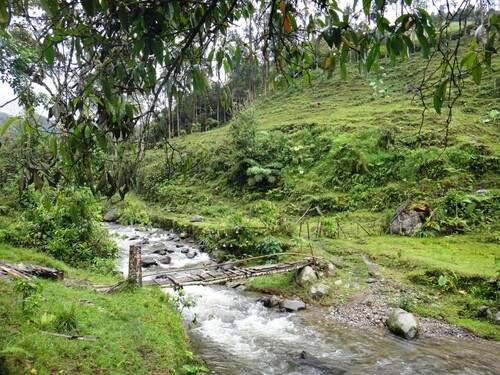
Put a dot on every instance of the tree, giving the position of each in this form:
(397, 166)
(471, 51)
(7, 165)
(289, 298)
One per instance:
(106, 64)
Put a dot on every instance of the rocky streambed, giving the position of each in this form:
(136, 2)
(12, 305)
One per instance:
(236, 333)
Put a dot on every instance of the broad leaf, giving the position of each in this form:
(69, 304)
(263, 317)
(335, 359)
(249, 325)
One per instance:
(439, 95)
(477, 73)
(366, 6)
(9, 123)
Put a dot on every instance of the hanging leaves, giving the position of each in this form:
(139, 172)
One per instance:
(439, 95)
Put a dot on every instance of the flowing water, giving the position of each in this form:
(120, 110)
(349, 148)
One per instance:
(235, 334)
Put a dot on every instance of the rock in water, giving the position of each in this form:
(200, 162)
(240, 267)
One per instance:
(111, 216)
(403, 324)
(148, 262)
(271, 301)
(292, 305)
(165, 260)
(306, 276)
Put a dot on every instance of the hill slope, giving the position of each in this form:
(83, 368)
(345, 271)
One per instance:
(321, 167)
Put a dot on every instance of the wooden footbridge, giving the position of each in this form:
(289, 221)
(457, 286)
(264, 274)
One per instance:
(223, 273)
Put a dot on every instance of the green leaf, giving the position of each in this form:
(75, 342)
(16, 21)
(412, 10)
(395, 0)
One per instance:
(439, 95)
(477, 73)
(408, 42)
(88, 7)
(343, 70)
(468, 60)
(9, 123)
(4, 13)
(48, 51)
(53, 145)
(372, 56)
(424, 44)
(408, 2)
(380, 3)
(237, 55)
(50, 6)
(366, 6)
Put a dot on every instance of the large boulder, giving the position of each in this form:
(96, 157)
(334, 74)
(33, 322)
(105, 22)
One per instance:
(292, 305)
(306, 276)
(408, 218)
(111, 216)
(318, 291)
(403, 324)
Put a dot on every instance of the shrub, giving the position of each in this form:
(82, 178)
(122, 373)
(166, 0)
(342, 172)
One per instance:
(268, 246)
(65, 222)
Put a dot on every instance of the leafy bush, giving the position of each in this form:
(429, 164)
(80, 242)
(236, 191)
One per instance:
(268, 246)
(134, 213)
(457, 212)
(65, 222)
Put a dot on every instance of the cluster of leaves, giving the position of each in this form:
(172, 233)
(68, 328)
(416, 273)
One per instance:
(457, 212)
(254, 159)
(66, 224)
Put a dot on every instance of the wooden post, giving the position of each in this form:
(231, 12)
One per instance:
(134, 265)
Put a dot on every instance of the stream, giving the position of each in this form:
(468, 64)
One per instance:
(235, 334)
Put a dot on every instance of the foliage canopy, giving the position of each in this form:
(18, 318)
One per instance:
(106, 64)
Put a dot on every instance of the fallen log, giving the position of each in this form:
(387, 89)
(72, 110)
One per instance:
(22, 269)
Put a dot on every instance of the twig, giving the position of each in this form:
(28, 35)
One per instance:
(71, 337)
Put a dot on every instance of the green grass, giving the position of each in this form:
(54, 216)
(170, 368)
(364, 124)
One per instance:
(137, 332)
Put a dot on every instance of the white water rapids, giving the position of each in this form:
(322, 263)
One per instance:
(236, 335)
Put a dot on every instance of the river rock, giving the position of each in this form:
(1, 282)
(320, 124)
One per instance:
(185, 251)
(111, 216)
(306, 276)
(481, 191)
(191, 255)
(183, 235)
(165, 260)
(196, 218)
(148, 262)
(403, 324)
(292, 305)
(160, 252)
(271, 301)
(318, 291)
(305, 359)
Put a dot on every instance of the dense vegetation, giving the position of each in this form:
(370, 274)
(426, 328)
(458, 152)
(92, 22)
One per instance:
(326, 164)
(317, 165)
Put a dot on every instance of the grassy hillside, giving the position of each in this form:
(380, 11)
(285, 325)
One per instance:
(125, 332)
(342, 156)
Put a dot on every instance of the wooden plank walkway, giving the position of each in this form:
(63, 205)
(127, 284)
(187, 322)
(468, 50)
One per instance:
(208, 277)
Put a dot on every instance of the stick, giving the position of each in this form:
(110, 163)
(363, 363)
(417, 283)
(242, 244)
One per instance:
(368, 233)
(71, 337)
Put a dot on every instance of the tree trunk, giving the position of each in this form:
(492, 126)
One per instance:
(134, 265)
